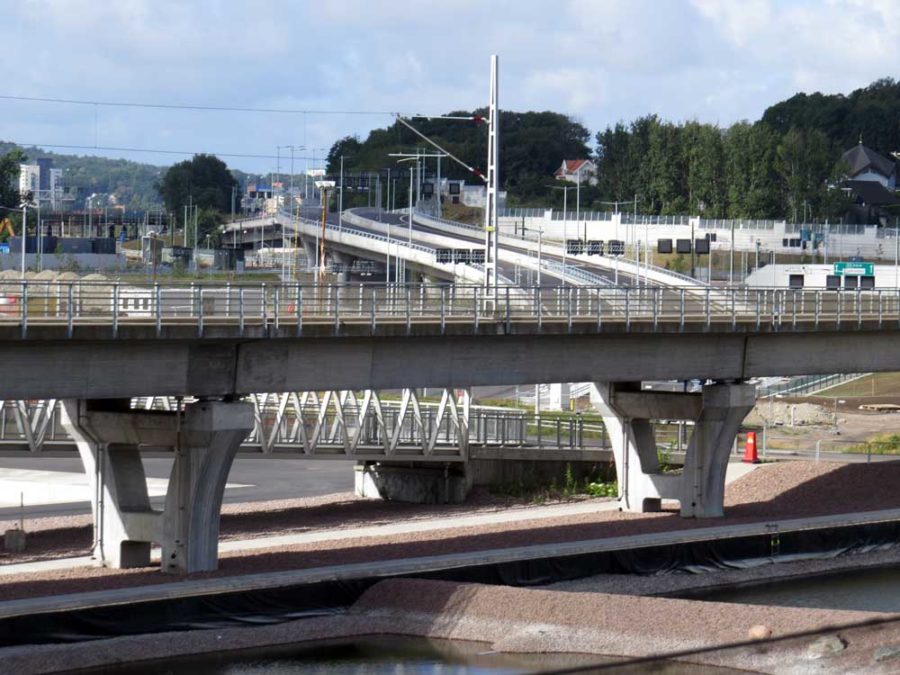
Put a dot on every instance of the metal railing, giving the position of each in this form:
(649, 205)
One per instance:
(340, 425)
(117, 305)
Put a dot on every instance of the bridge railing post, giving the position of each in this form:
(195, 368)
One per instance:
(817, 307)
(241, 309)
(337, 308)
(24, 305)
(115, 310)
(298, 308)
(627, 309)
(262, 305)
(200, 311)
(858, 306)
(507, 310)
(157, 305)
(71, 310)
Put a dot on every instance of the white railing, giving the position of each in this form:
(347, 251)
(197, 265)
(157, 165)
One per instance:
(279, 307)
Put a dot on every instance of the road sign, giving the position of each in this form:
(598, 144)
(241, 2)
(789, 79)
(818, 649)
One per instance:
(854, 269)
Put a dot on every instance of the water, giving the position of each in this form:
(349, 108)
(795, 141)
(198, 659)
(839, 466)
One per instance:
(384, 655)
(876, 590)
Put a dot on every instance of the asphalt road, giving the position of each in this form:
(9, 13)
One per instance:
(266, 479)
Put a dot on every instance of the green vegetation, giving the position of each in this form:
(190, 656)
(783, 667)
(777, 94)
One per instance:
(205, 182)
(599, 482)
(778, 167)
(532, 148)
(881, 444)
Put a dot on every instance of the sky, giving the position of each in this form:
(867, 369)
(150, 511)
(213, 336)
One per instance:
(600, 61)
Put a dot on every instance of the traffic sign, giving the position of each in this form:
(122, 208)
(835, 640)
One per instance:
(854, 269)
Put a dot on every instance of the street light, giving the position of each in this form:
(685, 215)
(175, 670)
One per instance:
(565, 190)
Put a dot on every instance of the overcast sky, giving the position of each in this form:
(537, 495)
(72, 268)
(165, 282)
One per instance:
(598, 60)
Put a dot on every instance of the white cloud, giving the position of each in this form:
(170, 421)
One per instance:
(602, 60)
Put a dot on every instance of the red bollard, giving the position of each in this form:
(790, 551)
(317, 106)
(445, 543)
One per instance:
(750, 456)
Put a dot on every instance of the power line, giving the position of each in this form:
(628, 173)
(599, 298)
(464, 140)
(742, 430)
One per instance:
(176, 106)
(153, 151)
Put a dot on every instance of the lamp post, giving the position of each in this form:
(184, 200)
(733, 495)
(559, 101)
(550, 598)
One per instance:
(24, 232)
(565, 190)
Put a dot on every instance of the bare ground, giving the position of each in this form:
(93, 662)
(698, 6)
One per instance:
(785, 490)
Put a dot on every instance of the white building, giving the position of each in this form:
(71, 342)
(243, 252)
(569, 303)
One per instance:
(56, 188)
(29, 179)
(839, 275)
(578, 171)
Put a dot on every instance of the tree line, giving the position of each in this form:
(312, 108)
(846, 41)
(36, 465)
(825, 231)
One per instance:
(783, 166)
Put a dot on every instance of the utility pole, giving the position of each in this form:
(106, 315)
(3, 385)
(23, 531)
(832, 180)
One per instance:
(565, 189)
(491, 248)
(341, 198)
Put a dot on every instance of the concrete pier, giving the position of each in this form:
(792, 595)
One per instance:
(717, 414)
(205, 438)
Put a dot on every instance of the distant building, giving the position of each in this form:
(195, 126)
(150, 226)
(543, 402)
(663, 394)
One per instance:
(867, 165)
(476, 196)
(55, 187)
(577, 171)
(43, 182)
(29, 179)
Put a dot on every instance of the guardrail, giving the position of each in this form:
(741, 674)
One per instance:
(628, 267)
(116, 305)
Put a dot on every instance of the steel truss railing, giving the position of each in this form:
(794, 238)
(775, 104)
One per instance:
(343, 424)
(292, 307)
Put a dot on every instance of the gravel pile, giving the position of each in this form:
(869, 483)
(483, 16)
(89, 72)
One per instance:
(778, 412)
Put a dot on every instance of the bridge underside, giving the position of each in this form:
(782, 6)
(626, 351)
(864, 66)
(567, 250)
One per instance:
(92, 369)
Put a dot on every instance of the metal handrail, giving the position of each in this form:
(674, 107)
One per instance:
(116, 305)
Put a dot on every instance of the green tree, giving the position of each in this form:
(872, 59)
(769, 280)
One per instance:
(204, 180)
(804, 162)
(751, 179)
(9, 179)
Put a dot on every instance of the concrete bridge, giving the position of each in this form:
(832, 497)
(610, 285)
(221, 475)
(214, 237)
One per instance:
(96, 347)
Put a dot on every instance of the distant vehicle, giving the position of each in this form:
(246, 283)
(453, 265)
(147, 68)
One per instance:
(9, 305)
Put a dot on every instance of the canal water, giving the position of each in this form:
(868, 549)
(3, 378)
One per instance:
(390, 655)
(875, 590)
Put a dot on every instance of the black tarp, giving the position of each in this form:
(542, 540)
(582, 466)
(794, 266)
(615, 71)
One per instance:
(257, 607)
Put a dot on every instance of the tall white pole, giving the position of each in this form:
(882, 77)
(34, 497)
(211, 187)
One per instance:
(341, 198)
(409, 225)
(491, 248)
(24, 231)
(565, 230)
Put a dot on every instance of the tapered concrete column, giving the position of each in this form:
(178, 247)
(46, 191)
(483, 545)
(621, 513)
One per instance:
(627, 415)
(209, 437)
(717, 413)
(724, 408)
(205, 439)
(108, 435)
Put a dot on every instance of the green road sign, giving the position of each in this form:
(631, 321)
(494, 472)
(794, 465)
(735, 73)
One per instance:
(854, 269)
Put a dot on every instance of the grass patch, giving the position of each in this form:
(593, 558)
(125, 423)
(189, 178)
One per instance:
(599, 482)
(880, 444)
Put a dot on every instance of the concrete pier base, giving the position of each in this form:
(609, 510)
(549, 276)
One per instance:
(411, 482)
(205, 438)
(717, 414)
